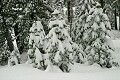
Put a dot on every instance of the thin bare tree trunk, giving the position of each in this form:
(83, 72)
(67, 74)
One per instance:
(70, 14)
(115, 19)
(119, 20)
(119, 14)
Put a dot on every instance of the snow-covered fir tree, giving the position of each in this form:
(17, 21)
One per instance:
(81, 14)
(61, 49)
(99, 47)
(36, 42)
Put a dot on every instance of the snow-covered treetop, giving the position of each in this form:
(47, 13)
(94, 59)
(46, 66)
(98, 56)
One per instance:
(57, 20)
(36, 26)
(37, 34)
(84, 7)
(60, 23)
(97, 19)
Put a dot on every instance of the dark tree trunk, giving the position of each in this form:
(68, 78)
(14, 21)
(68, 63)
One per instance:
(9, 40)
(119, 19)
(115, 20)
(119, 15)
(102, 3)
(68, 4)
(70, 14)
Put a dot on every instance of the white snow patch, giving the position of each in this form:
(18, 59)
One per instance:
(118, 22)
(116, 43)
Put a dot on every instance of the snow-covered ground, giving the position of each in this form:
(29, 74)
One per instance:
(24, 72)
(115, 34)
(79, 72)
(117, 49)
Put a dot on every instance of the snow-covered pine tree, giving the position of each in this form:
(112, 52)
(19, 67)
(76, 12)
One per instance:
(81, 14)
(62, 51)
(36, 42)
(99, 48)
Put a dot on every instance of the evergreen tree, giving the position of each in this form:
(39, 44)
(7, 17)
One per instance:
(16, 17)
(61, 50)
(31, 11)
(99, 48)
(81, 14)
(36, 42)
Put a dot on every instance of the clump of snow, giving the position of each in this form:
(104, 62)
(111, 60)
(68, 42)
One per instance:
(12, 60)
(115, 34)
(38, 57)
(118, 24)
